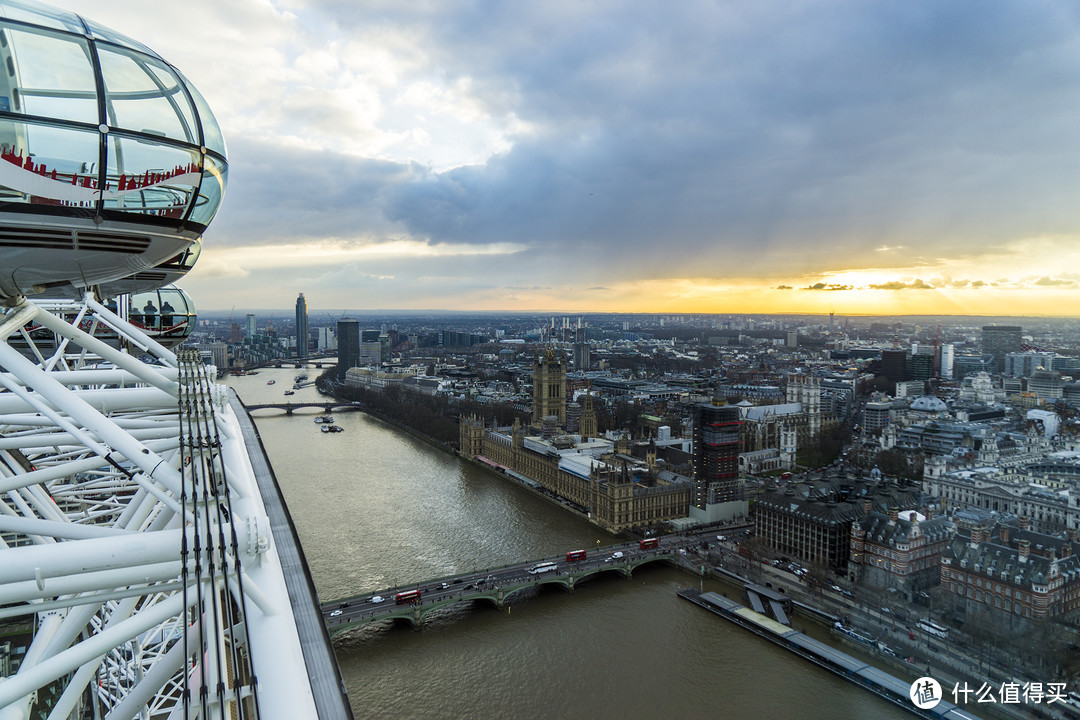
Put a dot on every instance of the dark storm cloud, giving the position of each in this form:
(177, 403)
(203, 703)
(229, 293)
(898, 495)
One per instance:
(280, 194)
(721, 139)
(741, 131)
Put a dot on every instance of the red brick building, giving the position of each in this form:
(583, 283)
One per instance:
(1014, 571)
(898, 550)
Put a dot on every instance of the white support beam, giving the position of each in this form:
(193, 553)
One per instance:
(56, 666)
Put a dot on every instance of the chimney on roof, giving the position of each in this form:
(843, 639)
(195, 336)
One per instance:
(1025, 523)
(867, 505)
(1003, 531)
(1066, 550)
(894, 514)
(1071, 533)
(1025, 550)
(978, 534)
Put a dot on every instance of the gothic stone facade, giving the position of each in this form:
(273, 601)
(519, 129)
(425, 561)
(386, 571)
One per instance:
(617, 499)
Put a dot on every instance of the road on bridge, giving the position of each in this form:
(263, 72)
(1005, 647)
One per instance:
(382, 604)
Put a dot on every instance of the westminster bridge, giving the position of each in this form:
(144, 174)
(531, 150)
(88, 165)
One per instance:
(497, 585)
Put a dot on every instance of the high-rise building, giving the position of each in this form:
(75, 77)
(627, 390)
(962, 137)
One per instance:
(250, 334)
(999, 341)
(327, 339)
(1024, 364)
(582, 356)
(715, 455)
(947, 355)
(549, 388)
(894, 365)
(920, 366)
(348, 333)
(384, 348)
(302, 341)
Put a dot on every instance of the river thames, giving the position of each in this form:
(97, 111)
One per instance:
(375, 508)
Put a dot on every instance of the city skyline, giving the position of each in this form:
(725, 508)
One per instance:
(825, 156)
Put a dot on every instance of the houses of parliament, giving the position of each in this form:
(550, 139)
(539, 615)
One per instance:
(598, 476)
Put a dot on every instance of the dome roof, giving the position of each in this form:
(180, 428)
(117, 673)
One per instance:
(929, 403)
(111, 162)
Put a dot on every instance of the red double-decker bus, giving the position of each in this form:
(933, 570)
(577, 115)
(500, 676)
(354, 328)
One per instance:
(409, 596)
(575, 555)
(649, 543)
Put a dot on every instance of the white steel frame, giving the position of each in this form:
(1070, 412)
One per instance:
(133, 540)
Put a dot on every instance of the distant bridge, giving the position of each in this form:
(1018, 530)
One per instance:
(495, 585)
(288, 407)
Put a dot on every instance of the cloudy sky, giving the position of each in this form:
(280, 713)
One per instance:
(910, 156)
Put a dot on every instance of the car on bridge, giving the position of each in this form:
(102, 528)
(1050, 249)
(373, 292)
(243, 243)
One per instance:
(335, 613)
(378, 599)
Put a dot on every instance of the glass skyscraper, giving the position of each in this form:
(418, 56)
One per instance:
(302, 340)
(999, 341)
(348, 331)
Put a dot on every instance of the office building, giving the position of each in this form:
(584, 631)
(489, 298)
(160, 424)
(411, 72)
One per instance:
(582, 356)
(947, 355)
(250, 334)
(1046, 384)
(303, 347)
(999, 341)
(894, 365)
(384, 348)
(370, 353)
(327, 340)
(1024, 364)
(348, 333)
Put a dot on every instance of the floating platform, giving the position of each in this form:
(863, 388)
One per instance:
(881, 683)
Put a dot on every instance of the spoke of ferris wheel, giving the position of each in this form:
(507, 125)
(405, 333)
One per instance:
(156, 677)
(101, 349)
(126, 627)
(57, 396)
(112, 455)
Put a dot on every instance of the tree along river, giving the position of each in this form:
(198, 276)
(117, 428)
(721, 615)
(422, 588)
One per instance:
(375, 508)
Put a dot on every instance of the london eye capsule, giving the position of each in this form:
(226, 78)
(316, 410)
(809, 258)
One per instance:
(111, 163)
